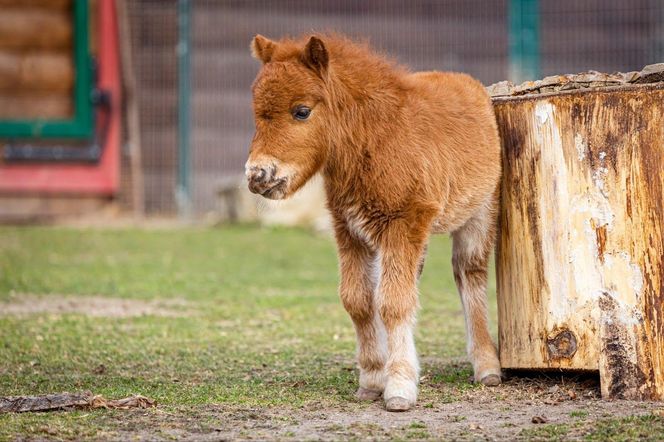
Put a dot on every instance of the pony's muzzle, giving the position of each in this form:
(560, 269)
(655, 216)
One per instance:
(258, 178)
(264, 181)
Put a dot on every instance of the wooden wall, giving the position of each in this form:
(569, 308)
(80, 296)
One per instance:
(36, 63)
(37, 74)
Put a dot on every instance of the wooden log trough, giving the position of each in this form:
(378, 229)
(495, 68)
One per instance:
(580, 255)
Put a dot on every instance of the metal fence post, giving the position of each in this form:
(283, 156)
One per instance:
(183, 190)
(524, 41)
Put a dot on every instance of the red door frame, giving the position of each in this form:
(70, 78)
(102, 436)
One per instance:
(101, 178)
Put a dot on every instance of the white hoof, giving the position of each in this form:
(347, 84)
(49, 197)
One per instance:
(397, 404)
(400, 394)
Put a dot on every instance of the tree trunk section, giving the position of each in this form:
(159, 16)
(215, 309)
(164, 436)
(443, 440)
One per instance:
(580, 257)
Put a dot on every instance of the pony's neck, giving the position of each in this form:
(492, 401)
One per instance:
(366, 97)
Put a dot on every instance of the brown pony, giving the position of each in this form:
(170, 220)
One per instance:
(402, 155)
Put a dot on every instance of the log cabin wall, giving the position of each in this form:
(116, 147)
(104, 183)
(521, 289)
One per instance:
(36, 62)
(38, 41)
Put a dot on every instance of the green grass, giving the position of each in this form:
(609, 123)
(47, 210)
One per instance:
(632, 428)
(263, 323)
(261, 327)
(579, 414)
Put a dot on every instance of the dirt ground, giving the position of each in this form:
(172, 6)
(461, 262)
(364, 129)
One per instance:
(94, 306)
(513, 411)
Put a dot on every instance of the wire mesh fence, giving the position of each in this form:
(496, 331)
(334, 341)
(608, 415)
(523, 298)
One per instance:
(463, 35)
(601, 35)
(154, 44)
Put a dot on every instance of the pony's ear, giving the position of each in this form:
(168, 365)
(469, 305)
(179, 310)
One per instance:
(262, 48)
(315, 55)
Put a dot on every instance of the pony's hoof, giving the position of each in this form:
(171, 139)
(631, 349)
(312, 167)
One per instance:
(397, 404)
(491, 380)
(364, 394)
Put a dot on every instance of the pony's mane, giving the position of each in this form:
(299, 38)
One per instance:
(346, 55)
(341, 47)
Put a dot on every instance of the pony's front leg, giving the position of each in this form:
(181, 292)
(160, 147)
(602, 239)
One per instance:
(399, 254)
(358, 283)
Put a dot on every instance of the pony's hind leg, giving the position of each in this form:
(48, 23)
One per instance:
(358, 283)
(472, 245)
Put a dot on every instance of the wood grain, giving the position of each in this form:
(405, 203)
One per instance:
(30, 29)
(45, 4)
(44, 71)
(49, 106)
(580, 259)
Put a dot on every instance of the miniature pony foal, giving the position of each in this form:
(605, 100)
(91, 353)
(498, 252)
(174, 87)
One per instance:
(402, 155)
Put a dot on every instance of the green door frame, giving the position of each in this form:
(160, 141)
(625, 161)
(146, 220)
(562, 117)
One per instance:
(82, 123)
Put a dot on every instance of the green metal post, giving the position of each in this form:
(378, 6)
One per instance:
(524, 40)
(183, 190)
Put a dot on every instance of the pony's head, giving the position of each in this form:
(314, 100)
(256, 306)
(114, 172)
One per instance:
(291, 115)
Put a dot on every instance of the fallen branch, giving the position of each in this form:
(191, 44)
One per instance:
(59, 401)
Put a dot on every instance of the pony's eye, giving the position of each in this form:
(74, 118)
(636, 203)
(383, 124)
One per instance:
(301, 113)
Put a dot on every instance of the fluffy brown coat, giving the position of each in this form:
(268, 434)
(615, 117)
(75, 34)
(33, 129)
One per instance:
(402, 155)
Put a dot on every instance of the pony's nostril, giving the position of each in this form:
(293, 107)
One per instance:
(260, 174)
